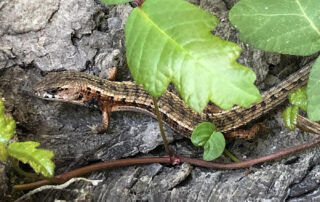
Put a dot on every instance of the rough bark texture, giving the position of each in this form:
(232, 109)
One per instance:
(50, 35)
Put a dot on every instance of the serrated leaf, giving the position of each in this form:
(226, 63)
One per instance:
(289, 116)
(214, 147)
(170, 41)
(3, 152)
(284, 26)
(38, 159)
(313, 92)
(202, 133)
(7, 125)
(299, 98)
(111, 2)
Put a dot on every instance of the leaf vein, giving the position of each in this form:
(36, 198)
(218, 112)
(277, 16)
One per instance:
(307, 17)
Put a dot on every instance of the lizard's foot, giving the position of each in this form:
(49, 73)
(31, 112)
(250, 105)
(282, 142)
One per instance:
(212, 109)
(98, 129)
(103, 127)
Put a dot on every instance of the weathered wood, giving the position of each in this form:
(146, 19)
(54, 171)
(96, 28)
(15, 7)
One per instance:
(54, 35)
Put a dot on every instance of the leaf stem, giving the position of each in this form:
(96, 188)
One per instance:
(140, 2)
(15, 165)
(231, 156)
(165, 141)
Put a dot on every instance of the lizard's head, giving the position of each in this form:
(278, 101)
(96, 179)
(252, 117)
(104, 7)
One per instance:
(59, 86)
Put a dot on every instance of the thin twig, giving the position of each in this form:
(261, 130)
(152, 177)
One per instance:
(248, 163)
(62, 178)
(177, 158)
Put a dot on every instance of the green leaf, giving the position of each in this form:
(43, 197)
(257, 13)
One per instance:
(313, 92)
(284, 26)
(299, 98)
(214, 146)
(289, 116)
(205, 134)
(7, 125)
(111, 2)
(38, 159)
(202, 133)
(170, 41)
(3, 152)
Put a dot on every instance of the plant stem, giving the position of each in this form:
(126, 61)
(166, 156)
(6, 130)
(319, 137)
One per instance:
(231, 156)
(197, 162)
(15, 165)
(62, 178)
(180, 159)
(140, 2)
(165, 141)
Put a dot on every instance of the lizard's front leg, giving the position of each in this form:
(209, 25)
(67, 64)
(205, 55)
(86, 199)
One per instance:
(106, 111)
(105, 107)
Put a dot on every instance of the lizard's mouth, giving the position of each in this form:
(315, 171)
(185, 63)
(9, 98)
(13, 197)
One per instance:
(47, 95)
(45, 92)
(55, 93)
(51, 93)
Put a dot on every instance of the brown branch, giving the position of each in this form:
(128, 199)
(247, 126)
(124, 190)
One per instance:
(301, 123)
(62, 178)
(251, 162)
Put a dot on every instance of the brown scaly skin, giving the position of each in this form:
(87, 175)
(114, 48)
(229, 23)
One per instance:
(83, 89)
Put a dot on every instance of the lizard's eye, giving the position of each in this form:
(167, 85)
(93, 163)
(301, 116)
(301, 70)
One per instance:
(52, 91)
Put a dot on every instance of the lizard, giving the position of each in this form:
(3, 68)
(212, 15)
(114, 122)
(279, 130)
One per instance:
(110, 96)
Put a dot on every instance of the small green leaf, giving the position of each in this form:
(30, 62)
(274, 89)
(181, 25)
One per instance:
(205, 134)
(3, 152)
(170, 41)
(299, 98)
(202, 133)
(214, 147)
(38, 159)
(7, 125)
(313, 92)
(111, 2)
(283, 26)
(289, 116)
